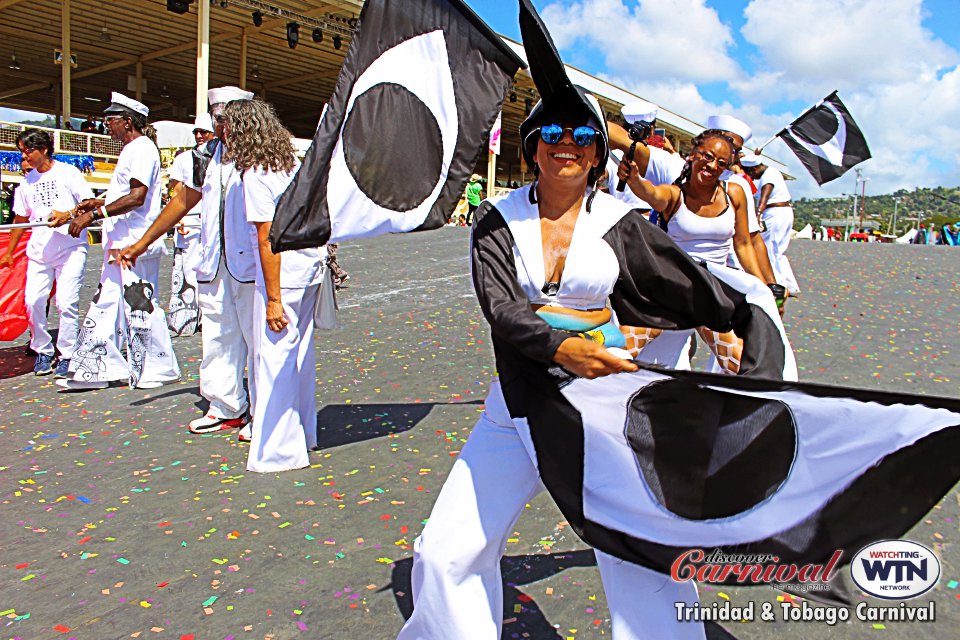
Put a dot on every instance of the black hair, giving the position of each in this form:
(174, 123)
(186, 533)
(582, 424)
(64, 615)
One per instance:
(700, 139)
(36, 140)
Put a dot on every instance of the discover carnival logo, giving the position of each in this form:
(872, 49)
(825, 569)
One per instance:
(895, 569)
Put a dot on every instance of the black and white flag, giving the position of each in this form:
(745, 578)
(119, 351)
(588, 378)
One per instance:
(651, 464)
(420, 88)
(827, 140)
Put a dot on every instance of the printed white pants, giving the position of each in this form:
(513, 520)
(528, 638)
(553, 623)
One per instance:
(457, 586)
(779, 223)
(125, 310)
(285, 413)
(67, 271)
(183, 312)
(226, 308)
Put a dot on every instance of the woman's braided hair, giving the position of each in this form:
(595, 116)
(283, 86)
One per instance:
(684, 176)
(700, 139)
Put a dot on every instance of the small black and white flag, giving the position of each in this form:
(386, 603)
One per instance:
(827, 140)
(648, 465)
(422, 84)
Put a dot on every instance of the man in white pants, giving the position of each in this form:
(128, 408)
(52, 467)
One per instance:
(52, 254)
(125, 307)
(776, 212)
(184, 310)
(225, 273)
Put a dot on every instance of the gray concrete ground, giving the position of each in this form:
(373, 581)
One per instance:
(115, 522)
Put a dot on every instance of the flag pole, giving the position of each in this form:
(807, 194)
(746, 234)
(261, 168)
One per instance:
(772, 138)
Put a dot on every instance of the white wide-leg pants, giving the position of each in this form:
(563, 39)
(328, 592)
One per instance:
(67, 271)
(183, 313)
(285, 413)
(779, 223)
(226, 308)
(126, 310)
(457, 586)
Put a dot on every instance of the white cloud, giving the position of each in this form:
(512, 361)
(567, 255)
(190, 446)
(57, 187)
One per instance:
(899, 80)
(648, 39)
(849, 43)
(894, 75)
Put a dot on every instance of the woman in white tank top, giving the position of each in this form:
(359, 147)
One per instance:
(706, 217)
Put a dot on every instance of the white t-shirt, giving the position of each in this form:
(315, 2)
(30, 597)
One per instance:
(753, 223)
(60, 188)
(626, 195)
(223, 178)
(262, 190)
(663, 167)
(139, 160)
(182, 171)
(780, 192)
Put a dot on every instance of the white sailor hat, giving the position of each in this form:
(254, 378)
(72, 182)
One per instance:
(731, 124)
(750, 160)
(639, 111)
(227, 94)
(121, 103)
(203, 122)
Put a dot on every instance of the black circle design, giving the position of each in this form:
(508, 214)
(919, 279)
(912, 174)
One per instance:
(395, 162)
(707, 454)
(819, 127)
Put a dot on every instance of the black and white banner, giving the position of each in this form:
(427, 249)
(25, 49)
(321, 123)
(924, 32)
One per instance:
(650, 464)
(827, 140)
(421, 85)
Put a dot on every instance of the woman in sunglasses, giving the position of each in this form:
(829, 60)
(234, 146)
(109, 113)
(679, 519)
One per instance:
(555, 264)
(706, 217)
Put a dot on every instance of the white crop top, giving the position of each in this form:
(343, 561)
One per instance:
(591, 267)
(708, 239)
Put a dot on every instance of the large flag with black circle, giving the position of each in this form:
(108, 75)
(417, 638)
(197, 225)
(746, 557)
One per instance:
(648, 465)
(420, 88)
(827, 140)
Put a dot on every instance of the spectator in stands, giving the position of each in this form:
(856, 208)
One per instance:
(89, 126)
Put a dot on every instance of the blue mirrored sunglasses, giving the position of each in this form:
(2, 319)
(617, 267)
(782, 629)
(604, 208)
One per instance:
(582, 136)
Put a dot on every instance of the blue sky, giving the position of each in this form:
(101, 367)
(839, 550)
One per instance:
(894, 63)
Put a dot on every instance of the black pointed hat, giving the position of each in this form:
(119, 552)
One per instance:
(559, 97)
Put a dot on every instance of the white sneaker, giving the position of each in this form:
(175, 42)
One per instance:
(155, 384)
(80, 385)
(211, 423)
(246, 434)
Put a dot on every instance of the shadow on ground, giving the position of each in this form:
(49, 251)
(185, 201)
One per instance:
(522, 617)
(14, 362)
(340, 424)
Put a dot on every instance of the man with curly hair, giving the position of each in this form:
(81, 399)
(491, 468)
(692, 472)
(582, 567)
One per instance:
(225, 274)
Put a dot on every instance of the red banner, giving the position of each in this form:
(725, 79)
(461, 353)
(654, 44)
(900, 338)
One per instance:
(13, 280)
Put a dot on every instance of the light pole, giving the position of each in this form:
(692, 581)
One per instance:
(893, 223)
(863, 199)
(853, 212)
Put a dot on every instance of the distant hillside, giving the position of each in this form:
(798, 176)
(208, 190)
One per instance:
(938, 206)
